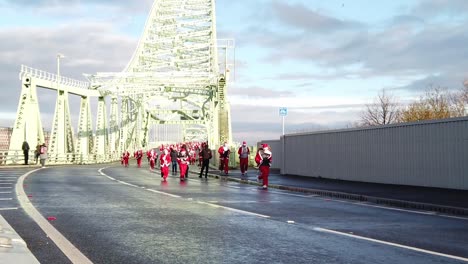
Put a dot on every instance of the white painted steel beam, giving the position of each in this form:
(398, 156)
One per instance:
(28, 125)
(85, 142)
(173, 80)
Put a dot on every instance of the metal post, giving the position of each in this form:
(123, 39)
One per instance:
(59, 56)
(58, 83)
(283, 125)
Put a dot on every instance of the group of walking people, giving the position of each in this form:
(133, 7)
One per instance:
(263, 159)
(179, 157)
(40, 153)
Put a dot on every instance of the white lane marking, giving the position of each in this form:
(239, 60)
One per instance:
(68, 249)
(6, 199)
(430, 213)
(290, 222)
(398, 209)
(129, 184)
(6, 187)
(6, 192)
(200, 202)
(164, 193)
(231, 186)
(113, 179)
(246, 201)
(392, 208)
(233, 209)
(8, 208)
(6, 183)
(454, 217)
(290, 194)
(324, 230)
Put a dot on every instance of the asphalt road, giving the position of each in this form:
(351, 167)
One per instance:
(127, 215)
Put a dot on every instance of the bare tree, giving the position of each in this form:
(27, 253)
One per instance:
(384, 110)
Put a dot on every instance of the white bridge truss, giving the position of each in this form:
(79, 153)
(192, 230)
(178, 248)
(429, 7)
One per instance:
(175, 82)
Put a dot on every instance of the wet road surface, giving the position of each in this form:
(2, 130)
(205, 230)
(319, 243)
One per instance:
(127, 215)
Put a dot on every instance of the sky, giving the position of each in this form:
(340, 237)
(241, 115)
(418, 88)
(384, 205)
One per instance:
(323, 60)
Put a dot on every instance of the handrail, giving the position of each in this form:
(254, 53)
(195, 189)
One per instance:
(47, 76)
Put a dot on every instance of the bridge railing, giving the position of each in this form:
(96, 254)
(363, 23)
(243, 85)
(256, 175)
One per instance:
(16, 157)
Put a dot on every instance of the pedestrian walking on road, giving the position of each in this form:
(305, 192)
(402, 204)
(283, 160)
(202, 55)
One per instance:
(37, 152)
(139, 156)
(153, 157)
(263, 160)
(206, 155)
(224, 153)
(174, 160)
(43, 154)
(165, 161)
(244, 153)
(125, 158)
(25, 148)
(183, 159)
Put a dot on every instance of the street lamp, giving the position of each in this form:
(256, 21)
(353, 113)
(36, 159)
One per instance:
(59, 56)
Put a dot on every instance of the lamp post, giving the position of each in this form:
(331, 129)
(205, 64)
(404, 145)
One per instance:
(59, 56)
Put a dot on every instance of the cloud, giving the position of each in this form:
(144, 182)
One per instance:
(140, 5)
(450, 81)
(411, 44)
(301, 17)
(89, 47)
(428, 8)
(259, 92)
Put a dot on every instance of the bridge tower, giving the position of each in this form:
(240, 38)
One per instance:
(28, 125)
(173, 79)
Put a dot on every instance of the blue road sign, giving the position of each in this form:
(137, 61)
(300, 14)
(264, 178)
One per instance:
(283, 111)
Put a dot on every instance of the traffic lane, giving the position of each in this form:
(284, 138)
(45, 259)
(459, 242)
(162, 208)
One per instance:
(435, 233)
(115, 223)
(42, 247)
(8, 178)
(409, 193)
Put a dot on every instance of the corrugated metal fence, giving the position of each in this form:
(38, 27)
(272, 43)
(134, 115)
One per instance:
(429, 153)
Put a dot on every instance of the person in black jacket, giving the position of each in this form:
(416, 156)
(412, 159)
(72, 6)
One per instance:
(206, 155)
(25, 152)
(174, 160)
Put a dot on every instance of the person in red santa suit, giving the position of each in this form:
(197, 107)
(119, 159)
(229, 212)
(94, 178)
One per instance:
(148, 155)
(192, 154)
(183, 159)
(126, 157)
(224, 153)
(165, 162)
(139, 156)
(263, 160)
(244, 153)
(153, 157)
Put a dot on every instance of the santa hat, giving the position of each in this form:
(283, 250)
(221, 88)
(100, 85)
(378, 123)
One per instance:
(244, 143)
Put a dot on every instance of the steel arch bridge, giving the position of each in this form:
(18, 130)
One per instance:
(176, 82)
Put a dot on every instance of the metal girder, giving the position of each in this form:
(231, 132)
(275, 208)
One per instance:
(175, 64)
(173, 80)
(85, 140)
(101, 148)
(28, 125)
(61, 138)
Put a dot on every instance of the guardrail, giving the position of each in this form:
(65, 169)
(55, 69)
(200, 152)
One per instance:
(16, 157)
